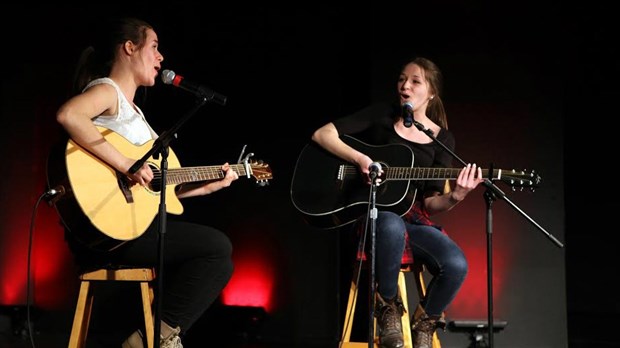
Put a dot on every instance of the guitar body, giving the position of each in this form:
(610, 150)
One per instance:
(327, 199)
(98, 208)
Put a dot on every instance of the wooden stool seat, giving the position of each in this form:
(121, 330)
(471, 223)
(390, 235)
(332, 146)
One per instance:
(81, 319)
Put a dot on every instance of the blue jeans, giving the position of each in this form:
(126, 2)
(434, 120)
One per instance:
(441, 256)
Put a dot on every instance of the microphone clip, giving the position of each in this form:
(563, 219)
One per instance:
(421, 127)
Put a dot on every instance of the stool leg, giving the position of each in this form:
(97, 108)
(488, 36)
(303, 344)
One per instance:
(402, 287)
(147, 300)
(81, 318)
(419, 280)
(348, 317)
(348, 324)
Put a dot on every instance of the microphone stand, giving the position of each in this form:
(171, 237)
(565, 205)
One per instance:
(372, 217)
(491, 194)
(161, 147)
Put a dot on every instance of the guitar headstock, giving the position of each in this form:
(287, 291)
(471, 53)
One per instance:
(521, 179)
(261, 172)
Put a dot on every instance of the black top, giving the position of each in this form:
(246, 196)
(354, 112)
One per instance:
(375, 126)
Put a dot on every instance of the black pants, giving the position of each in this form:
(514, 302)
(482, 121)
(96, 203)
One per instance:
(197, 266)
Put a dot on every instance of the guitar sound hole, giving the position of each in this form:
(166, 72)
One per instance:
(155, 184)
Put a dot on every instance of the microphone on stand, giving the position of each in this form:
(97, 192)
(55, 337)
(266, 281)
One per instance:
(169, 77)
(374, 170)
(407, 114)
(408, 120)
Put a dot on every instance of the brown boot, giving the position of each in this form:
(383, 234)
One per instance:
(424, 327)
(389, 327)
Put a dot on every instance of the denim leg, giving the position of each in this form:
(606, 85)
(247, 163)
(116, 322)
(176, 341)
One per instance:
(390, 245)
(444, 260)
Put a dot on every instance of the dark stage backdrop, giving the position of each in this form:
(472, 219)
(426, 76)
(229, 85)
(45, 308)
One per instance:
(286, 71)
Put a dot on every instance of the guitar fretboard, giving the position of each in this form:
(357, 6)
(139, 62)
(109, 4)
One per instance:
(420, 173)
(205, 173)
(415, 173)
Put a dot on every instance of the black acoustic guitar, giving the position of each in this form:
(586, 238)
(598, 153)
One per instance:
(330, 192)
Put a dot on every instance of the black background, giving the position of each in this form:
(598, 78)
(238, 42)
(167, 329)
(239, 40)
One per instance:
(288, 69)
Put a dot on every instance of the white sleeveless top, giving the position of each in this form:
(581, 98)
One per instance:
(129, 122)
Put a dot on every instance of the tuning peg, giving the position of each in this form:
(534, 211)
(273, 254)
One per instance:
(262, 183)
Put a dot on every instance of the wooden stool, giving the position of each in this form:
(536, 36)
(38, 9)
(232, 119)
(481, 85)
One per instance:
(86, 296)
(418, 271)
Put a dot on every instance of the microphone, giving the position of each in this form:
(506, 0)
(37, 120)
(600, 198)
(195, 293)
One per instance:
(170, 78)
(374, 169)
(408, 114)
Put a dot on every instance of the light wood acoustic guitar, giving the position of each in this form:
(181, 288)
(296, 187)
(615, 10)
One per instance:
(103, 209)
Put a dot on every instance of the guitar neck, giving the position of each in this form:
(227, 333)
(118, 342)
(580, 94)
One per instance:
(204, 173)
(421, 173)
